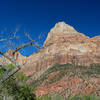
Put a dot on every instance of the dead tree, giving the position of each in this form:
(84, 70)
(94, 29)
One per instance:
(12, 59)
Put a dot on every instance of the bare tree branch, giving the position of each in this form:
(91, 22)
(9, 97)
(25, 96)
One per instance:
(36, 42)
(6, 39)
(7, 75)
(11, 59)
(26, 45)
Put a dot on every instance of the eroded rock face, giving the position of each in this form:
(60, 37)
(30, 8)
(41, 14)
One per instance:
(72, 86)
(59, 29)
(64, 45)
(17, 56)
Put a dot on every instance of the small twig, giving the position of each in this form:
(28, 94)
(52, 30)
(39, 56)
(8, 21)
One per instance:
(26, 45)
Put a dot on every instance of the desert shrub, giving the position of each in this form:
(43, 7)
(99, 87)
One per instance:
(16, 87)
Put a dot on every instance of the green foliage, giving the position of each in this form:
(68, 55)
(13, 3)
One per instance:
(46, 97)
(19, 92)
(58, 77)
(20, 77)
(77, 97)
(84, 98)
(66, 70)
(1, 72)
(15, 86)
(55, 68)
(50, 97)
(10, 67)
(25, 93)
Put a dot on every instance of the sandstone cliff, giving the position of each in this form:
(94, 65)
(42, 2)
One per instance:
(64, 45)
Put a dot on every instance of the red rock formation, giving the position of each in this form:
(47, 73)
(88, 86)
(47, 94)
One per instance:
(69, 86)
(17, 56)
(64, 45)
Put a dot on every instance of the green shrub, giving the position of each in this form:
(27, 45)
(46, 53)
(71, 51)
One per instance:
(16, 87)
(77, 97)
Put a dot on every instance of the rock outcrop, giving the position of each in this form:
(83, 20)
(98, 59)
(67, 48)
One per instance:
(17, 56)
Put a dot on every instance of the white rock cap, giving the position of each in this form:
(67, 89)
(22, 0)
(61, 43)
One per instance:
(62, 27)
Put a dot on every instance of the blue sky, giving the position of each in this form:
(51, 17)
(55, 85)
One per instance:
(39, 16)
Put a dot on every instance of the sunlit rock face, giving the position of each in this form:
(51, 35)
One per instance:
(16, 56)
(64, 45)
(62, 27)
(58, 30)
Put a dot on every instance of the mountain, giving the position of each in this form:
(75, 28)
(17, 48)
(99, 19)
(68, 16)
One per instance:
(64, 45)
(68, 63)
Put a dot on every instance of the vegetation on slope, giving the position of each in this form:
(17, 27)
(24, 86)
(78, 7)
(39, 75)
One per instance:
(77, 97)
(67, 70)
(15, 88)
(60, 71)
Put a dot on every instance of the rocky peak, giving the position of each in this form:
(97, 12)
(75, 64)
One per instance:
(62, 27)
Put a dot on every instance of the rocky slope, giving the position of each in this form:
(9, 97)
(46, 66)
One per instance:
(63, 45)
(68, 80)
